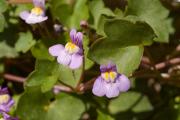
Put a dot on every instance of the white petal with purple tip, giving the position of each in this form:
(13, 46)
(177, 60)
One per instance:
(99, 87)
(33, 19)
(76, 61)
(56, 49)
(123, 83)
(24, 15)
(64, 58)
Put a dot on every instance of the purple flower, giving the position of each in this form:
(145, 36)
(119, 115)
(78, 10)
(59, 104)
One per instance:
(6, 102)
(72, 53)
(36, 15)
(110, 83)
(8, 117)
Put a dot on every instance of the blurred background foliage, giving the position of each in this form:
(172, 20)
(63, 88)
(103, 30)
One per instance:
(141, 36)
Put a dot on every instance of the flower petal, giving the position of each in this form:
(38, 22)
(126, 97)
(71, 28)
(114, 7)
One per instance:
(39, 3)
(99, 87)
(64, 58)
(33, 19)
(112, 90)
(123, 83)
(73, 35)
(24, 15)
(56, 49)
(79, 38)
(76, 61)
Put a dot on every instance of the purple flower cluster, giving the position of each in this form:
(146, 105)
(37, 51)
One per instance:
(36, 15)
(6, 102)
(110, 83)
(71, 54)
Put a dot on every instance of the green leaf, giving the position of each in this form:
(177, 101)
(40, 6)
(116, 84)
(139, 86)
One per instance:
(7, 51)
(98, 9)
(3, 6)
(127, 59)
(46, 74)
(80, 12)
(153, 12)
(88, 63)
(130, 101)
(40, 51)
(32, 105)
(103, 116)
(65, 107)
(61, 10)
(68, 76)
(2, 23)
(128, 32)
(25, 42)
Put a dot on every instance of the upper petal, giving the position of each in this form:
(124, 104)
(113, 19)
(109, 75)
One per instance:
(112, 90)
(24, 15)
(123, 83)
(99, 87)
(64, 58)
(39, 3)
(73, 34)
(56, 49)
(76, 61)
(79, 38)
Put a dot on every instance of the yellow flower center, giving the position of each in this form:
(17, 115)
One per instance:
(71, 48)
(109, 75)
(1, 118)
(4, 98)
(37, 11)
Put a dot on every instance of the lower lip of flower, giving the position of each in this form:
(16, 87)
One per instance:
(37, 11)
(4, 98)
(71, 48)
(109, 76)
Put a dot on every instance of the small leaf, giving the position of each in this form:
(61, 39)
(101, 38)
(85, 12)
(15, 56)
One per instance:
(99, 11)
(68, 76)
(46, 74)
(40, 51)
(103, 116)
(3, 6)
(2, 23)
(25, 42)
(65, 107)
(130, 101)
(7, 51)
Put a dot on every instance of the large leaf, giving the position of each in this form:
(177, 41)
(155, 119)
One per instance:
(45, 75)
(25, 42)
(32, 105)
(127, 59)
(7, 51)
(65, 107)
(122, 32)
(130, 101)
(154, 14)
(80, 12)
